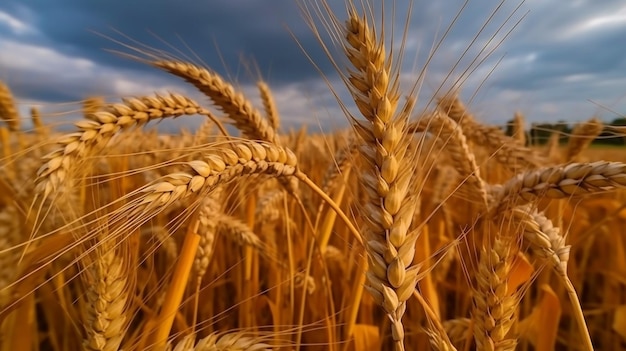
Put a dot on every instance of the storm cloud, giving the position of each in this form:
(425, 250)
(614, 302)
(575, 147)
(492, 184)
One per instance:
(551, 60)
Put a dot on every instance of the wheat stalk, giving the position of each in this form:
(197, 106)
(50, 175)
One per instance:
(548, 244)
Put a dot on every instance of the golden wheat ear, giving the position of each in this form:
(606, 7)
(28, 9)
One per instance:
(232, 102)
(582, 136)
(61, 164)
(387, 174)
(271, 111)
(8, 111)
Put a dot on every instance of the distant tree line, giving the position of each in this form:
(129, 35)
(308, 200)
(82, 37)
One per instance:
(539, 133)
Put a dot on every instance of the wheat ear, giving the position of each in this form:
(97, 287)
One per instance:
(107, 298)
(213, 223)
(507, 151)
(246, 118)
(558, 182)
(245, 158)
(271, 112)
(463, 160)
(494, 306)
(8, 111)
(552, 148)
(386, 175)
(207, 229)
(582, 136)
(35, 116)
(268, 207)
(10, 231)
(91, 105)
(223, 342)
(519, 128)
(458, 329)
(104, 124)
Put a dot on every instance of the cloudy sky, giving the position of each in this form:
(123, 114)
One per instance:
(551, 59)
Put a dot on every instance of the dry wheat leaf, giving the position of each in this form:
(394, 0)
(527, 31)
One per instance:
(521, 271)
(542, 325)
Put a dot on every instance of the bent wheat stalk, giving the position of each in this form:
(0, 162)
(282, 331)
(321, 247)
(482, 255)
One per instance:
(549, 245)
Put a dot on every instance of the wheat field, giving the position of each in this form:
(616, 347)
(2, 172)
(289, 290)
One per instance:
(412, 229)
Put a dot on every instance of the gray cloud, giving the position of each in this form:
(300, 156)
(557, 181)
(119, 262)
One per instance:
(558, 57)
